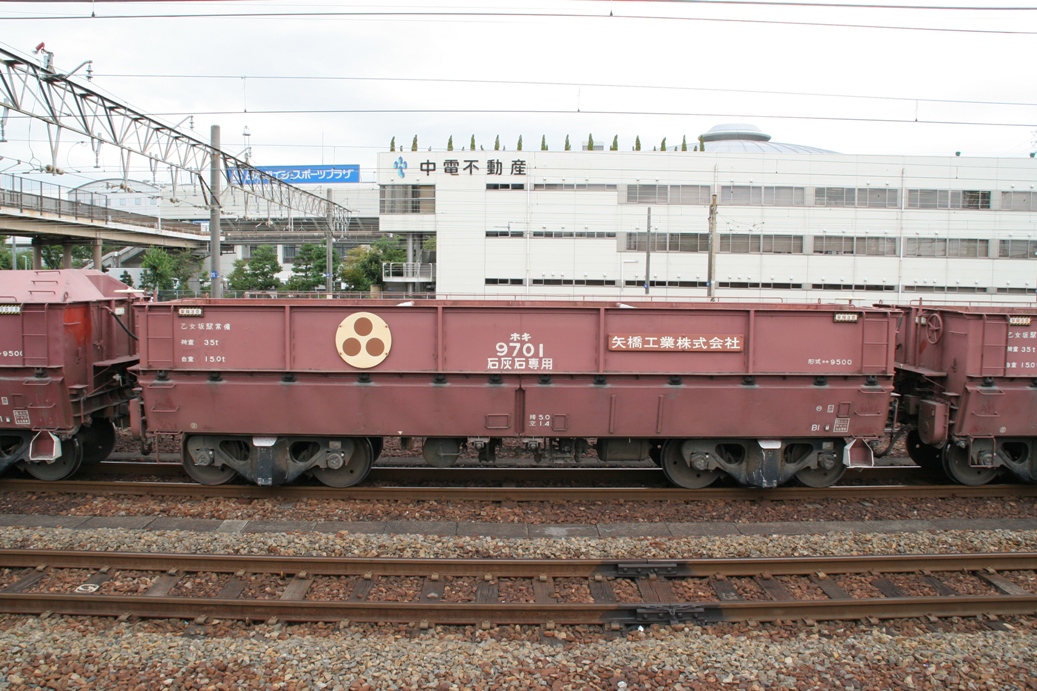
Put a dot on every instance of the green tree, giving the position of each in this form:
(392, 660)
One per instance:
(258, 272)
(362, 267)
(684, 143)
(471, 146)
(520, 143)
(311, 263)
(702, 143)
(543, 142)
(186, 265)
(392, 144)
(126, 278)
(590, 142)
(615, 144)
(450, 143)
(414, 143)
(567, 147)
(662, 147)
(637, 143)
(496, 143)
(159, 269)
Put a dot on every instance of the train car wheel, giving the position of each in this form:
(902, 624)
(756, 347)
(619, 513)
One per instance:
(819, 477)
(680, 472)
(352, 471)
(64, 467)
(442, 452)
(376, 447)
(956, 465)
(925, 455)
(98, 440)
(204, 474)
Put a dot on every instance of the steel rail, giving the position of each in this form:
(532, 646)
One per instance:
(517, 568)
(517, 494)
(604, 611)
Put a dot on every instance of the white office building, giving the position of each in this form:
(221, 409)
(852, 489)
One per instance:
(790, 222)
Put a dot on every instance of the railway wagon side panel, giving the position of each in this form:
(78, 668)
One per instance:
(324, 406)
(349, 337)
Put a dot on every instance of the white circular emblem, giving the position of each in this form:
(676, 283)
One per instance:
(363, 340)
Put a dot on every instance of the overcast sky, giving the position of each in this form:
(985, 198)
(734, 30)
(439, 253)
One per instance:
(336, 86)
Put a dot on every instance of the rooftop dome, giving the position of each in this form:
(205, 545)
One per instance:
(744, 138)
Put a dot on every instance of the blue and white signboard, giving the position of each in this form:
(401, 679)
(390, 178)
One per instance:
(304, 175)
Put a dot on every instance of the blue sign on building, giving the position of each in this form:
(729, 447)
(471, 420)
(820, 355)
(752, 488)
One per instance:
(306, 175)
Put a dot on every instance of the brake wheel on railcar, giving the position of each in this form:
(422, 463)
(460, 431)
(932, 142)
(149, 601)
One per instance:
(65, 466)
(958, 467)
(353, 470)
(683, 472)
(925, 455)
(98, 440)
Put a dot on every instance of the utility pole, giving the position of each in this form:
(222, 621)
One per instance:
(712, 246)
(214, 216)
(648, 252)
(329, 264)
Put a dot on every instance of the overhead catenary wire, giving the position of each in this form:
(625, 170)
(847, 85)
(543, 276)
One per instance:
(411, 15)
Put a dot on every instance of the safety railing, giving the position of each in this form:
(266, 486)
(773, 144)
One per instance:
(27, 195)
(408, 271)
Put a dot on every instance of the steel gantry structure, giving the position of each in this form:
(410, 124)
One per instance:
(39, 91)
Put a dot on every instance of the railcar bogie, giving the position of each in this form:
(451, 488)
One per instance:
(696, 463)
(338, 462)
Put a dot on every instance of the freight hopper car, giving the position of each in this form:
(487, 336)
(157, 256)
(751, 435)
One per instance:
(272, 389)
(968, 378)
(65, 348)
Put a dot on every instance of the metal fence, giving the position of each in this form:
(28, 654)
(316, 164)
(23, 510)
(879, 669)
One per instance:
(41, 197)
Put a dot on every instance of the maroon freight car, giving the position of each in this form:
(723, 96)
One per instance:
(968, 376)
(65, 349)
(270, 389)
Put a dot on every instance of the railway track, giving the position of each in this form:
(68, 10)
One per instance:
(490, 592)
(515, 494)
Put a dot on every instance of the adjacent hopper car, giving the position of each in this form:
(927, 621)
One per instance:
(65, 348)
(271, 390)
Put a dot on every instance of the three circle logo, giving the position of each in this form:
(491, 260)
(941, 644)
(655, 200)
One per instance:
(363, 340)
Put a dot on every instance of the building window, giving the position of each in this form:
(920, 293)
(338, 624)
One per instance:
(668, 242)
(876, 247)
(1017, 249)
(648, 194)
(504, 233)
(744, 243)
(505, 186)
(572, 186)
(948, 199)
(877, 198)
(1018, 201)
(505, 282)
(946, 247)
(288, 251)
(407, 199)
(761, 195)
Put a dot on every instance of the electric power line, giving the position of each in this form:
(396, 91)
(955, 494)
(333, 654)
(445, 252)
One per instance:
(425, 16)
